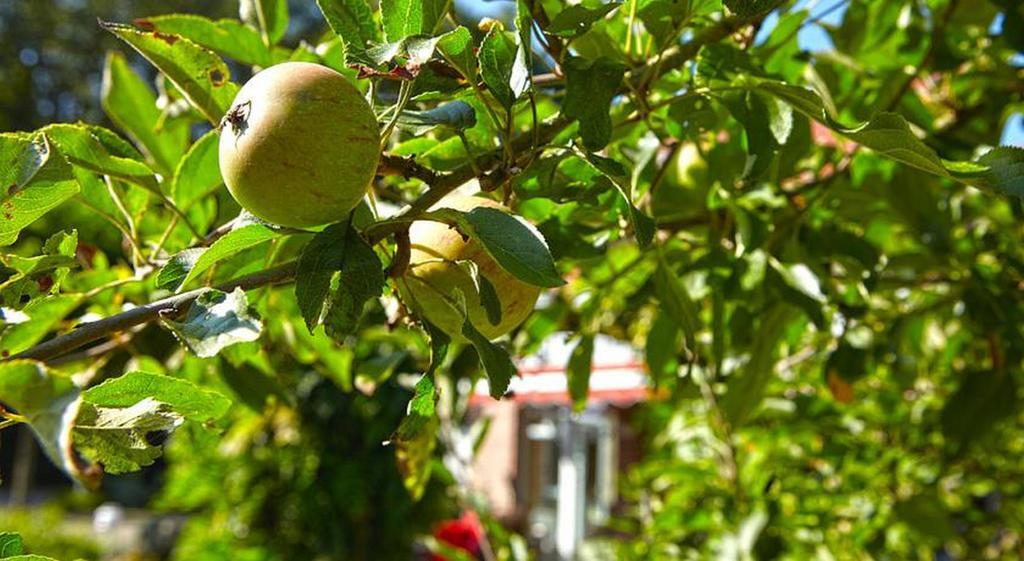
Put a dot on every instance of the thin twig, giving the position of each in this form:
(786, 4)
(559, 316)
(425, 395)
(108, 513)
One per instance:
(98, 350)
(402, 253)
(406, 167)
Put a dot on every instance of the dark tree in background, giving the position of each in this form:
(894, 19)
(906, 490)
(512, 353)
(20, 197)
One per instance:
(51, 52)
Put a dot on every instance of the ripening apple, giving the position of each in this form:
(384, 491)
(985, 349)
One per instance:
(683, 191)
(430, 282)
(299, 146)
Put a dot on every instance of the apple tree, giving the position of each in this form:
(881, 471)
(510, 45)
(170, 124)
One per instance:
(287, 255)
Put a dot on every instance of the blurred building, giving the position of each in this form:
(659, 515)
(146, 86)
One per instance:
(550, 473)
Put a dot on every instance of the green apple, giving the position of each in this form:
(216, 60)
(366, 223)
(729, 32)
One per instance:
(299, 146)
(430, 283)
(683, 191)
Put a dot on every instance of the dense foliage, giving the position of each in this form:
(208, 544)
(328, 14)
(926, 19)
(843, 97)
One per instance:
(815, 251)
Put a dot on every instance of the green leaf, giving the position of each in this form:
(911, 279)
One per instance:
(116, 437)
(420, 411)
(675, 300)
(184, 397)
(403, 18)
(1001, 169)
(30, 389)
(338, 248)
(767, 123)
(31, 557)
(269, 17)
(575, 20)
(414, 51)
(489, 299)
(515, 244)
(497, 364)
(34, 178)
(578, 372)
(198, 173)
(353, 22)
(49, 401)
(360, 280)
(43, 315)
(10, 545)
(228, 37)
(200, 75)
(456, 47)
(131, 105)
(982, 400)
(106, 154)
(415, 435)
(439, 343)
(194, 263)
(662, 346)
(926, 514)
(413, 456)
(457, 115)
(320, 260)
(172, 275)
(51, 266)
(250, 385)
(664, 19)
(691, 115)
(524, 39)
(504, 72)
(890, 135)
(215, 320)
(644, 226)
(801, 287)
(750, 8)
(746, 388)
(590, 87)
(486, 293)
(58, 251)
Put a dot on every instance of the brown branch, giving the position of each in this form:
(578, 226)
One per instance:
(96, 351)
(96, 330)
(402, 254)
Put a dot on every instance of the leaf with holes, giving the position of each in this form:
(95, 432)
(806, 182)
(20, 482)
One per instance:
(184, 397)
(200, 75)
(215, 320)
(34, 179)
(228, 37)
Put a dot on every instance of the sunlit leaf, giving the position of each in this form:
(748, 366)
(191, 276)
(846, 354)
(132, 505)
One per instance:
(199, 74)
(34, 178)
(215, 320)
(590, 87)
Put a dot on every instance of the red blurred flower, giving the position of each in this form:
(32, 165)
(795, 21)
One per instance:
(465, 533)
